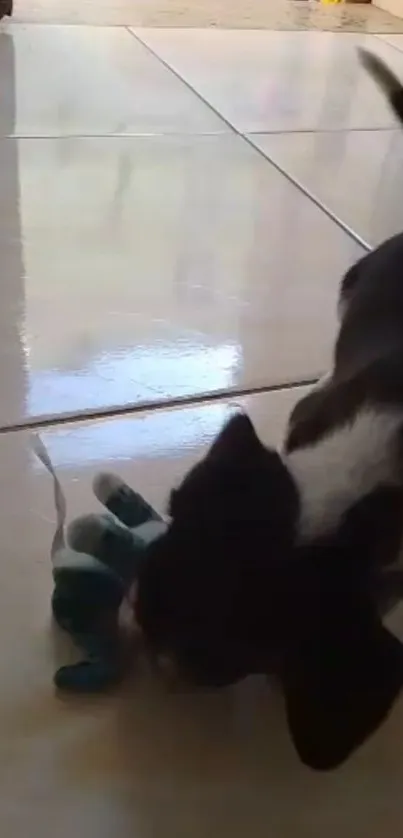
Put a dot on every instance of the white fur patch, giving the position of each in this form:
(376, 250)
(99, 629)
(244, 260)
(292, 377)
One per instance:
(342, 467)
(323, 382)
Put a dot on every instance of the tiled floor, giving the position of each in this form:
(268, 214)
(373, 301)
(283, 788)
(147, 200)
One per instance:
(240, 14)
(176, 210)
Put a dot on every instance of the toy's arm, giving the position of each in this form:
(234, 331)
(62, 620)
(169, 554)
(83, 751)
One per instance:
(119, 546)
(128, 506)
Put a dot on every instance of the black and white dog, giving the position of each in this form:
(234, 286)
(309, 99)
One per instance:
(345, 439)
(276, 562)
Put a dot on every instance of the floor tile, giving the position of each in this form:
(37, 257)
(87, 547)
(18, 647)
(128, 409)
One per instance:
(395, 41)
(146, 761)
(267, 81)
(143, 269)
(356, 175)
(58, 80)
(278, 14)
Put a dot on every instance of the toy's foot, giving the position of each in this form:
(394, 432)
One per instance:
(122, 501)
(88, 676)
(108, 541)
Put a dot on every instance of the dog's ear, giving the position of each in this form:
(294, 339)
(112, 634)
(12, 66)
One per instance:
(237, 441)
(343, 670)
(340, 692)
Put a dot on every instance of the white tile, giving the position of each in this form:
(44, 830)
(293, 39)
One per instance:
(140, 269)
(278, 81)
(146, 761)
(356, 175)
(63, 80)
(393, 40)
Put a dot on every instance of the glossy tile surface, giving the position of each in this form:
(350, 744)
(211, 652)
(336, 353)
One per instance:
(147, 761)
(91, 80)
(149, 268)
(356, 175)
(156, 267)
(279, 81)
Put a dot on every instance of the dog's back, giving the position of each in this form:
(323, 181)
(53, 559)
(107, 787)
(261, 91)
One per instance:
(371, 293)
(371, 310)
(345, 439)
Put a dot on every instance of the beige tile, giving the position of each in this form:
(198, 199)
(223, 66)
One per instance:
(356, 175)
(91, 80)
(278, 14)
(391, 6)
(147, 762)
(140, 269)
(278, 81)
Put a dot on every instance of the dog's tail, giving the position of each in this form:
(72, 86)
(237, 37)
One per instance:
(385, 79)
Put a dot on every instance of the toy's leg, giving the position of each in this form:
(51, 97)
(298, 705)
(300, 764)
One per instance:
(128, 506)
(116, 547)
(85, 603)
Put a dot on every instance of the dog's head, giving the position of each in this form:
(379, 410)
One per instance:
(200, 590)
(227, 592)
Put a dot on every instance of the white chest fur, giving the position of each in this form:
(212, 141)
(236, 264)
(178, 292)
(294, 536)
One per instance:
(342, 467)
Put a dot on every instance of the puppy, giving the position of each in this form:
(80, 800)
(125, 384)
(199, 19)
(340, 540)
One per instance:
(227, 593)
(272, 561)
(345, 438)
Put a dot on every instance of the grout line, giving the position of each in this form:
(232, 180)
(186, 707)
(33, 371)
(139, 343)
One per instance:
(225, 132)
(96, 24)
(35, 423)
(381, 36)
(394, 127)
(355, 236)
(317, 201)
(115, 136)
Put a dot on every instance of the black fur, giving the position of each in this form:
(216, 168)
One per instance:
(227, 599)
(368, 355)
(229, 591)
(202, 593)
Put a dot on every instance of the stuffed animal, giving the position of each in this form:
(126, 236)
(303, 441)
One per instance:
(93, 568)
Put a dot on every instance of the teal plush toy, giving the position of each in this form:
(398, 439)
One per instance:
(94, 566)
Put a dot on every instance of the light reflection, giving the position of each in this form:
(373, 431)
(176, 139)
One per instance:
(168, 434)
(130, 375)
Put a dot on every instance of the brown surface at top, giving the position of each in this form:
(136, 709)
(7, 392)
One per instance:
(258, 14)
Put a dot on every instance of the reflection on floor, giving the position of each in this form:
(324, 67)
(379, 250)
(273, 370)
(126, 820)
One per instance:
(177, 207)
